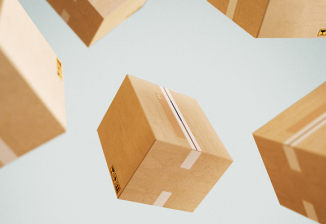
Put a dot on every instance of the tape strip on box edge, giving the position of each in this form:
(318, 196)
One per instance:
(231, 8)
(6, 154)
(310, 210)
(183, 121)
(161, 200)
(178, 117)
(301, 135)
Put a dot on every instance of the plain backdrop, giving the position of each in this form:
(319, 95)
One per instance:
(187, 46)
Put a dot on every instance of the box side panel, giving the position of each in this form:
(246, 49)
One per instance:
(80, 15)
(221, 5)
(295, 187)
(116, 17)
(313, 175)
(157, 117)
(199, 125)
(294, 19)
(125, 134)
(31, 55)
(25, 122)
(249, 15)
(158, 172)
(161, 172)
(279, 172)
(296, 119)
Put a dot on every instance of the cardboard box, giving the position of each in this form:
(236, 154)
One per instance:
(32, 103)
(160, 147)
(277, 18)
(293, 148)
(92, 19)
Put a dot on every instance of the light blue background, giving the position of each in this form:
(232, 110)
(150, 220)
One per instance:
(187, 46)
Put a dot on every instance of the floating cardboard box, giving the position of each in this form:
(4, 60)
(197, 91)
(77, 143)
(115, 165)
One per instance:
(32, 104)
(92, 19)
(277, 18)
(160, 147)
(293, 148)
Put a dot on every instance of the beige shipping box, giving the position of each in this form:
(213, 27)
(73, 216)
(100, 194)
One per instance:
(32, 103)
(160, 147)
(277, 18)
(92, 19)
(293, 148)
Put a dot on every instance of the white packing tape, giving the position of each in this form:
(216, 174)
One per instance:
(6, 154)
(292, 158)
(191, 159)
(307, 130)
(310, 210)
(192, 137)
(65, 16)
(164, 196)
(177, 117)
(301, 135)
(231, 8)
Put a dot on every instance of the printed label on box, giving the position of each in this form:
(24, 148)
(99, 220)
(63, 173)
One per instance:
(59, 67)
(115, 180)
(322, 33)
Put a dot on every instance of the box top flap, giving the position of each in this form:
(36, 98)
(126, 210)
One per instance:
(198, 133)
(302, 125)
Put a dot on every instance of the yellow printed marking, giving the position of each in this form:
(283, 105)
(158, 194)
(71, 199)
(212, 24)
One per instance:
(115, 180)
(322, 33)
(59, 68)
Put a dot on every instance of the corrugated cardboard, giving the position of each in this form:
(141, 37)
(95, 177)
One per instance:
(160, 147)
(276, 18)
(293, 148)
(31, 85)
(92, 19)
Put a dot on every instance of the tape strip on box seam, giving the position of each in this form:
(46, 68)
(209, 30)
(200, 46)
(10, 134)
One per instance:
(301, 135)
(172, 107)
(231, 8)
(6, 154)
(310, 210)
(161, 200)
(183, 121)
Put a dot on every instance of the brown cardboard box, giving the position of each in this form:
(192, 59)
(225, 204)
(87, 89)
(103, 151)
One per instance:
(32, 104)
(293, 148)
(160, 147)
(277, 18)
(92, 19)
